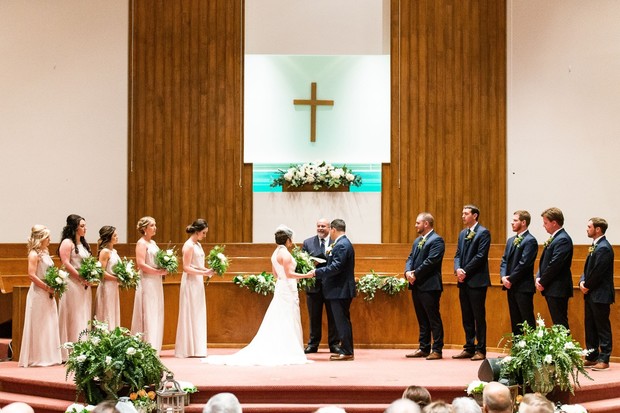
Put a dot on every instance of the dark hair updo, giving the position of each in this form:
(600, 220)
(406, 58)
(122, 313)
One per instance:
(197, 226)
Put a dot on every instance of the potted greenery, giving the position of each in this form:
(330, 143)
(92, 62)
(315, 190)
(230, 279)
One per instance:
(543, 358)
(105, 362)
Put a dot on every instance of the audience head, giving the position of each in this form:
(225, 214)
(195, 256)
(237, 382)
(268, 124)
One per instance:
(283, 234)
(535, 403)
(17, 407)
(403, 406)
(418, 394)
(143, 223)
(496, 398)
(106, 233)
(223, 403)
(106, 406)
(38, 234)
(465, 405)
(330, 409)
(438, 407)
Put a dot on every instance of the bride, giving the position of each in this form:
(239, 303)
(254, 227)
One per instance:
(279, 338)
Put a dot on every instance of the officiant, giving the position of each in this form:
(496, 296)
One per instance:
(315, 299)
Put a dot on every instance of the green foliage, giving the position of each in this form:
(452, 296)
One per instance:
(370, 283)
(57, 280)
(167, 260)
(319, 175)
(263, 283)
(90, 270)
(125, 271)
(217, 261)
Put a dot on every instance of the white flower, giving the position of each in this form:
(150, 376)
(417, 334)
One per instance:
(310, 179)
(573, 408)
(166, 258)
(169, 252)
(349, 177)
(93, 272)
(548, 359)
(540, 322)
(288, 176)
(476, 386)
(58, 280)
(108, 360)
(81, 358)
(540, 333)
(521, 344)
(68, 345)
(98, 264)
(507, 359)
(101, 325)
(131, 351)
(95, 340)
(63, 274)
(569, 346)
(261, 278)
(222, 257)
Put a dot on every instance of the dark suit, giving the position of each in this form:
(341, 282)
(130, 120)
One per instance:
(425, 261)
(315, 299)
(472, 255)
(339, 289)
(555, 276)
(518, 267)
(598, 278)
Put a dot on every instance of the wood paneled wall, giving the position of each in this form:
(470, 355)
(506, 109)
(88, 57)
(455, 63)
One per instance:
(186, 113)
(448, 141)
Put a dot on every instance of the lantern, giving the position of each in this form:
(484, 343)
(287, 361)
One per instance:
(170, 396)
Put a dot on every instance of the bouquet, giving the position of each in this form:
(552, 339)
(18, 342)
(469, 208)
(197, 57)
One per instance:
(167, 260)
(57, 280)
(91, 270)
(126, 273)
(304, 265)
(318, 174)
(217, 261)
(370, 283)
(143, 401)
(263, 283)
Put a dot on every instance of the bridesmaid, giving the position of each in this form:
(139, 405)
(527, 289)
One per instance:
(191, 338)
(40, 340)
(148, 309)
(107, 305)
(75, 305)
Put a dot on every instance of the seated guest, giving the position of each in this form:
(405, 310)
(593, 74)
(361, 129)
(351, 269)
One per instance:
(535, 403)
(465, 405)
(17, 407)
(403, 406)
(223, 403)
(439, 407)
(496, 398)
(418, 394)
(106, 406)
(330, 409)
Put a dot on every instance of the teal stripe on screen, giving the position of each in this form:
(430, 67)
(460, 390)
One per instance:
(264, 174)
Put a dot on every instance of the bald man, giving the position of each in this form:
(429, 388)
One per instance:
(496, 398)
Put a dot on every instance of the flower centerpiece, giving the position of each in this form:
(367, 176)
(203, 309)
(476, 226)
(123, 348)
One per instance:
(475, 389)
(143, 401)
(370, 283)
(318, 175)
(217, 261)
(304, 264)
(262, 283)
(125, 271)
(57, 280)
(167, 260)
(90, 270)
(103, 362)
(544, 357)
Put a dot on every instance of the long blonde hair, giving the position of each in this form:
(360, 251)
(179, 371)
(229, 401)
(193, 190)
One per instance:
(37, 234)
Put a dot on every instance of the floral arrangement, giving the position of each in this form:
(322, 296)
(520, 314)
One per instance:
(470, 235)
(103, 362)
(143, 401)
(370, 283)
(517, 241)
(57, 280)
(549, 241)
(475, 387)
(217, 261)
(304, 264)
(544, 357)
(591, 249)
(125, 271)
(91, 270)
(318, 174)
(79, 408)
(167, 260)
(188, 388)
(262, 283)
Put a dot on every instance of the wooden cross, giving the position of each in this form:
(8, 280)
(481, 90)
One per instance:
(313, 102)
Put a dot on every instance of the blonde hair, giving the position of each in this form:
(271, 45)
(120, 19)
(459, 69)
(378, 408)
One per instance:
(143, 223)
(37, 234)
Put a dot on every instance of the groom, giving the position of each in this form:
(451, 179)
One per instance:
(339, 286)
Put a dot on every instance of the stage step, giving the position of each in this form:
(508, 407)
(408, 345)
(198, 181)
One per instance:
(39, 404)
(602, 406)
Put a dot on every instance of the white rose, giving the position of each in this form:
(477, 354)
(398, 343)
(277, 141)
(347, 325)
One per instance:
(131, 351)
(63, 274)
(569, 346)
(350, 177)
(108, 360)
(95, 340)
(540, 333)
(222, 257)
(166, 258)
(521, 344)
(288, 176)
(548, 359)
(81, 358)
(58, 280)
(169, 252)
(540, 322)
(98, 265)
(93, 272)
(310, 179)
(506, 359)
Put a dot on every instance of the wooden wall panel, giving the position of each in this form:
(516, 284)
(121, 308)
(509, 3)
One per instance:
(185, 132)
(448, 141)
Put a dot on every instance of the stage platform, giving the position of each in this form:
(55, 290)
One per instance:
(368, 384)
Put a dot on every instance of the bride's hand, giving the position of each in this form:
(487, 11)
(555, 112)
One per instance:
(209, 273)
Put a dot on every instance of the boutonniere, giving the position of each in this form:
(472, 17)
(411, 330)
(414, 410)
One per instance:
(421, 243)
(591, 249)
(517, 241)
(470, 236)
(549, 241)
(328, 250)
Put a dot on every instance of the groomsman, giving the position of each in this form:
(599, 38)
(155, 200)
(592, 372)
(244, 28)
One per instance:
(554, 278)
(597, 286)
(338, 278)
(315, 299)
(423, 271)
(471, 269)
(517, 272)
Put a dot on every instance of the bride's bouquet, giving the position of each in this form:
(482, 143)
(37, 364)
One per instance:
(262, 283)
(167, 260)
(57, 280)
(304, 264)
(126, 273)
(91, 270)
(217, 261)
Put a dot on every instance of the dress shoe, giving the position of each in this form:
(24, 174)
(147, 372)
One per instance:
(341, 357)
(478, 356)
(434, 356)
(463, 355)
(601, 365)
(335, 350)
(589, 363)
(417, 354)
(311, 349)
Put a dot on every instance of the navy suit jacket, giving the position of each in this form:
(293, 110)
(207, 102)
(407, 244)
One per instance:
(598, 273)
(554, 271)
(338, 276)
(473, 257)
(312, 246)
(518, 263)
(426, 263)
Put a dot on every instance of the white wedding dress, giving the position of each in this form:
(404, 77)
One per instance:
(279, 339)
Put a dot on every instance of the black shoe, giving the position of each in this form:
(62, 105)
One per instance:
(311, 349)
(335, 349)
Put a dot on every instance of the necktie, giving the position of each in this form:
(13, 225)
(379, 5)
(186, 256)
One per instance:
(323, 245)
